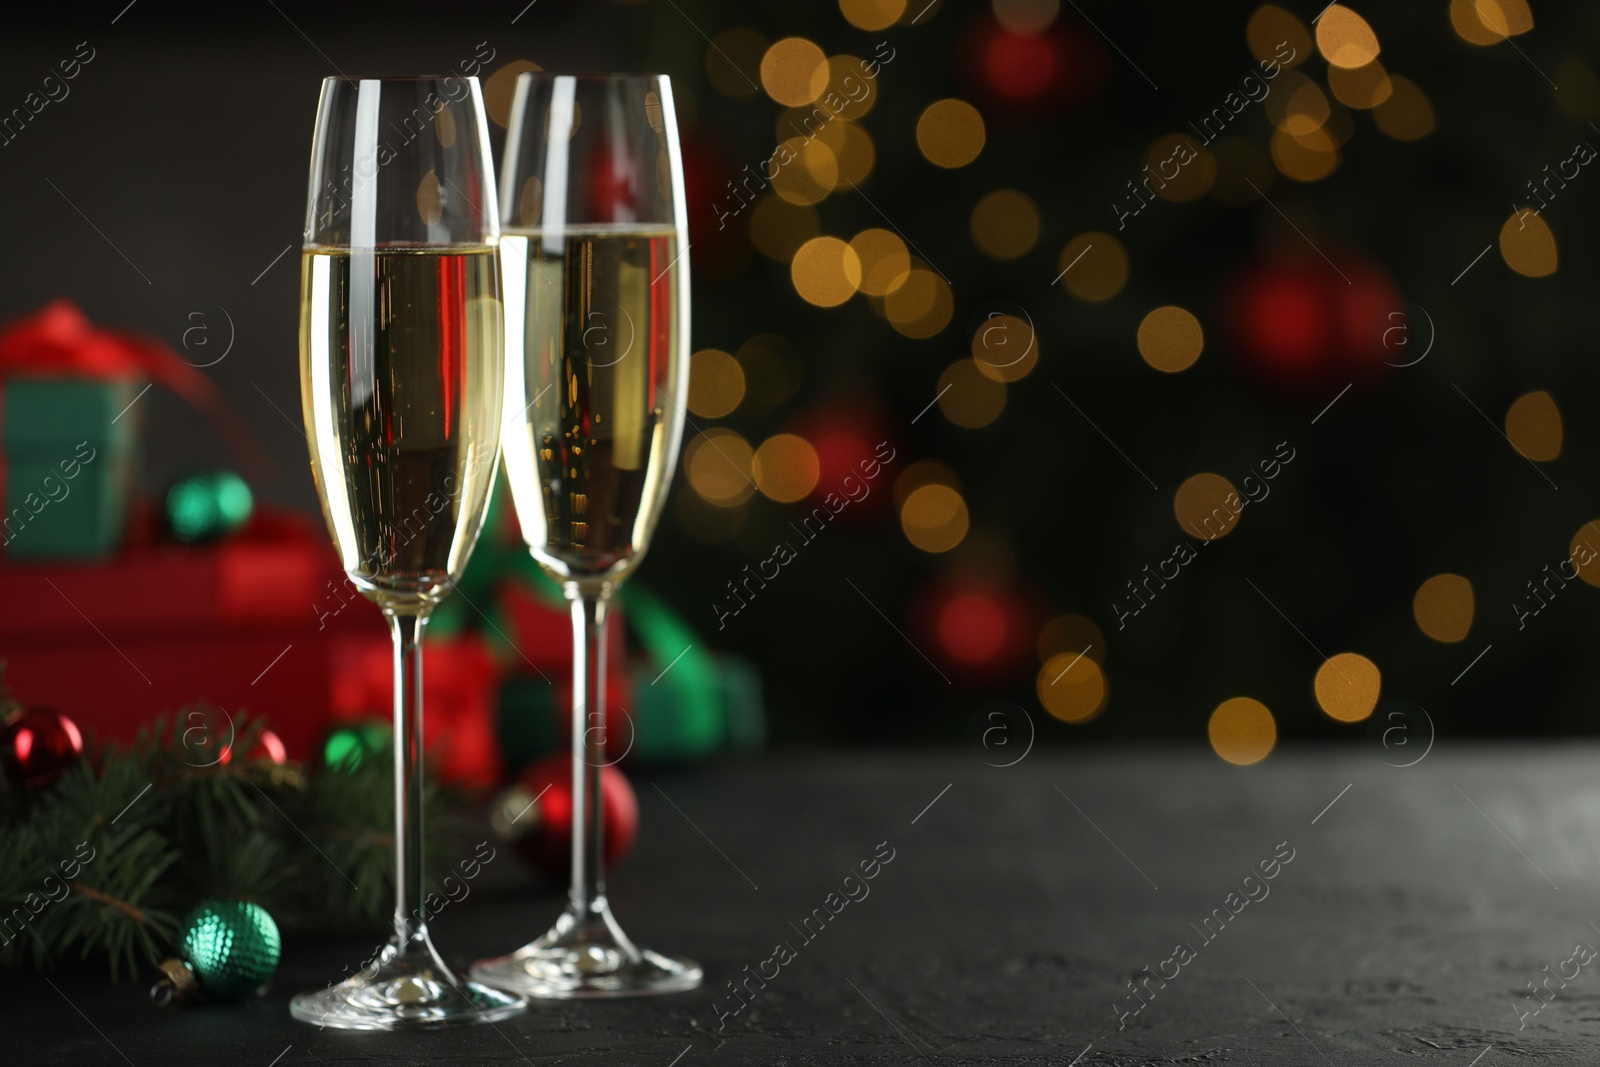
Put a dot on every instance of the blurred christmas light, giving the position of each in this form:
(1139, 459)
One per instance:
(499, 87)
(1584, 552)
(718, 466)
(811, 174)
(1207, 506)
(1072, 634)
(923, 472)
(1071, 687)
(934, 518)
(716, 383)
(1242, 731)
(1346, 687)
(733, 59)
(1487, 22)
(825, 272)
(920, 306)
(1301, 159)
(1005, 224)
(778, 228)
(1297, 104)
(969, 398)
(1344, 38)
(1360, 87)
(1443, 607)
(872, 15)
(978, 626)
(1026, 16)
(794, 71)
(849, 88)
(1528, 246)
(950, 133)
(1269, 28)
(1180, 184)
(1170, 339)
(1021, 67)
(1533, 426)
(1005, 347)
(1406, 115)
(1301, 323)
(885, 262)
(785, 468)
(1094, 266)
(852, 148)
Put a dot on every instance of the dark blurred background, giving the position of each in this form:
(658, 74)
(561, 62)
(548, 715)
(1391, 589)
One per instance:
(1357, 226)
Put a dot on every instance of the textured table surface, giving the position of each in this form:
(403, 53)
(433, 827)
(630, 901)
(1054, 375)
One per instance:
(1017, 907)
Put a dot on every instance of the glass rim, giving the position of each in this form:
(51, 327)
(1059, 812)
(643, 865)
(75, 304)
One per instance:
(592, 76)
(343, 79)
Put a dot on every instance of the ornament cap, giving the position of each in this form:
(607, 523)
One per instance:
(177, 984)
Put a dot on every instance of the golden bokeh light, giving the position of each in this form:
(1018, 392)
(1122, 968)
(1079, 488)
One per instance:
(811, 173)
(852, 148)
(934, 518)
(1487, 22)
(1344, 38)
(825, 272)
(794, 71)
(1272, 28)
(716, 383)
(1583, 554)
(923, 472)
(921, 305)
(733, 61)
(1071, 687)
(717, 463)
(499, 87)
(1533, 426)
(1242, 731)
(1072, 634)
(1005, 347)
(1443, 607)
(1297, 104)
(968, 397)
(1180, 168)
(785, 468)
(778, 228)
(885, 262)
(773, 369)
(872, 15)
(1528, 246)
(950, 133)
(1027, 17)
(1005, 224)
(1406, 115)
(1346, 687)
(1207, 506)
(850, 93)
(1301, 158)
(1360, 87)
(1094, 266)
(1171, 339)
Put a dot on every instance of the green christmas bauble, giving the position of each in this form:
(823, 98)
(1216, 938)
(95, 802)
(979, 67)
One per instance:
(210, 505)
(232, 946)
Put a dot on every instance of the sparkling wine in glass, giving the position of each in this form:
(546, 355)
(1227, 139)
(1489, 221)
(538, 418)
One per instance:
(595, 258)
(401, 379)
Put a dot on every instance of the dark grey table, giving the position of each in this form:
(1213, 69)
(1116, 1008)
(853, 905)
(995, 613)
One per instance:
(1018, 906)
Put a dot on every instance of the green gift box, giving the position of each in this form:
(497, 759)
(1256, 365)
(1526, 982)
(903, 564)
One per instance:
(70, 459)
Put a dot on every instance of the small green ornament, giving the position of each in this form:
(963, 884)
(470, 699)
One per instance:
(209, 505)
(232, 946)
(348, 745)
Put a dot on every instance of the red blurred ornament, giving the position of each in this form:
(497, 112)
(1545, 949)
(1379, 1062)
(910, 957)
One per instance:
(979, 627)
(38, 746)
(268, 746)
(535, 815)
(1305, 323)
(852, 442)
(1059, 64)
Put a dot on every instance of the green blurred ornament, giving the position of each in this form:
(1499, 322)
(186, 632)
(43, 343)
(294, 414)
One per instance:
(230, 949)
(206, 506)
(348, 745)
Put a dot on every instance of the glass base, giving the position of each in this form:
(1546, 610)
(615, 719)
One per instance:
(583, 957)
(415, 991)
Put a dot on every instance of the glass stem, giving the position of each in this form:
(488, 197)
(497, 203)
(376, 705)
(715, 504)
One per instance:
(410, 922)
(588, 894)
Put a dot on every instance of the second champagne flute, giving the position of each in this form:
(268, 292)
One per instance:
(594, 253)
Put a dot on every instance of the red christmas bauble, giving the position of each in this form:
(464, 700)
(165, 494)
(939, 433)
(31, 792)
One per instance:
(535, 815)
(981, 627)
(38, 746)
(268, 746)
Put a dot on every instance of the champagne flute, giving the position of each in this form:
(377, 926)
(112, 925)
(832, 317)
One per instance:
(595, 258)
(401, 378)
